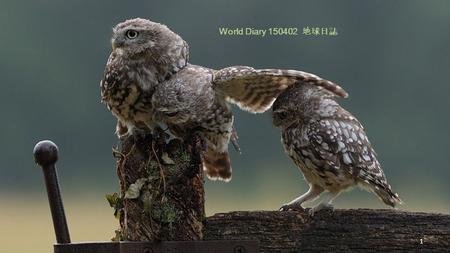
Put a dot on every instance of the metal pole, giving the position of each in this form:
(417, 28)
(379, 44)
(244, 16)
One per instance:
(46, 155)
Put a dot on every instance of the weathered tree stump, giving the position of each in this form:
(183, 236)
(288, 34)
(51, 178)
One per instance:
(158, 201)
(356, 230)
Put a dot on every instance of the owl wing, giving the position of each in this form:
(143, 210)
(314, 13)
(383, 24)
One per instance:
(342, 144)
(255, 90)
(114, 76)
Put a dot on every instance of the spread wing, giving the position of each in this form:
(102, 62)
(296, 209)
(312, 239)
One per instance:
(255, 90)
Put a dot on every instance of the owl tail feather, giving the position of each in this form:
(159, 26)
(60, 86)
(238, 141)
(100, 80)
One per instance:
(388, 196)
(217, 165)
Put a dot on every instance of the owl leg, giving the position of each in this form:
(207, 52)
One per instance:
(124, 129)
(325, 204)
(311, 194)
(121, 129)
(234, 140)
(160, 137)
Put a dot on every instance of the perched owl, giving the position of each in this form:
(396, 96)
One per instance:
(145, 55)
(328, 145)
(195, 101)
(148, 80)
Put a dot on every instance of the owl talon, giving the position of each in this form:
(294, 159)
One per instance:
(291, 207)
(121, 130)
(166, 159)
(123, 136)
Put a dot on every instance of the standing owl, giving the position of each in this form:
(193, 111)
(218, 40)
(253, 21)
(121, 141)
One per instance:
(328, 145)
(145, 55)
(148, 80)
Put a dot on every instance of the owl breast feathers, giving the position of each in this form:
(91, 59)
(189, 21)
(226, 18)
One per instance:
(328, 144)
(148, 80)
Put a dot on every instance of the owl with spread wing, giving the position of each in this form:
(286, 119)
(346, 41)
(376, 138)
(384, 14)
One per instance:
(148, 80)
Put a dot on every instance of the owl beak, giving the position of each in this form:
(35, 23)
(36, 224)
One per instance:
(275, 120)
(115, 43)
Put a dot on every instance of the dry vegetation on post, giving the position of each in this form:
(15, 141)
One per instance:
(159, 201)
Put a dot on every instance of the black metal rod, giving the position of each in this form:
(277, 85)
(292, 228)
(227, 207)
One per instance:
(46, 155)
(222, 246)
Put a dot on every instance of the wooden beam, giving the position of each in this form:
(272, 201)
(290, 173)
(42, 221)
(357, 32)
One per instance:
(352, 230)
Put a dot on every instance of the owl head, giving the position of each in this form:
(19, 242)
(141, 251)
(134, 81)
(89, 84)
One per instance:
(136, 36)
(298, 102)
(170, 106)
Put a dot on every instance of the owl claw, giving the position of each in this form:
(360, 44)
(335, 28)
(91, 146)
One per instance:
(291, 207)
(166, 159)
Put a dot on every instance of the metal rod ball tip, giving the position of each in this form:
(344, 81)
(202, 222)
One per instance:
(45, 153)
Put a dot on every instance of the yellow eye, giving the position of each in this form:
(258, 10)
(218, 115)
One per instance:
(131, 34)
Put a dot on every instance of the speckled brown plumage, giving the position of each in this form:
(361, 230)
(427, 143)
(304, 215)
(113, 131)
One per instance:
(329, 146)
(148, 81)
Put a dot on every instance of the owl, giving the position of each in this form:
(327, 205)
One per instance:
(329, 146)
(149, 81)
(145, 54)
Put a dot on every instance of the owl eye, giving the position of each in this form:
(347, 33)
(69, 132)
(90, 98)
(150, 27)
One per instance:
(131, 34)
(171, 114)
(283, 115)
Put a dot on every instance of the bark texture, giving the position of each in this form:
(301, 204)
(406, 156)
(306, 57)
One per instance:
(354, 230)
(159, 200)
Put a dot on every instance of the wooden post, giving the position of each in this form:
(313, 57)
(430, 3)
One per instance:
(166, 202)
(353, 230)
(157, 200)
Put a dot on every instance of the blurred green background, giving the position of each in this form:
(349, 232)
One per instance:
(393, 57)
